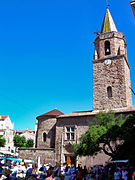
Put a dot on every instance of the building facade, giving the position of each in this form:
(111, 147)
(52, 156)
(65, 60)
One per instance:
(7, 132)
(56, 132)
(46, 129)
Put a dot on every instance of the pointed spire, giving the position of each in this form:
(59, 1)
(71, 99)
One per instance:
(108, 23)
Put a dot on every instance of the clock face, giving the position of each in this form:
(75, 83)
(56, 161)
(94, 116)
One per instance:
(107, 61)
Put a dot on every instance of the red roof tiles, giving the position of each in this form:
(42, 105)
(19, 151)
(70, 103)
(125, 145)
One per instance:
(54, 112)
(3, 117)
(23, 131)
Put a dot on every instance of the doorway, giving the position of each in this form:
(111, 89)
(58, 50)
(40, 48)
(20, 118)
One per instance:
(70, 160)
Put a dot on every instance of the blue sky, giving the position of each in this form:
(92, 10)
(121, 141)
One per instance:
(46, 48)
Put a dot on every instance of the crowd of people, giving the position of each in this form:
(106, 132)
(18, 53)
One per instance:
(15, 170)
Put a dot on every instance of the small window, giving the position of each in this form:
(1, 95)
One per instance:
(109, 91)
(70, 133)
(72, 129)
(44, 137)
(107, 48)
(68, 136)
(72, 136)
(119, 51)
(68, 129)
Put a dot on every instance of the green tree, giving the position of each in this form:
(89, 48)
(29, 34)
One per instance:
(29, 143)
(2, 142)
(103, 134)
(19, 141)
(127, 135)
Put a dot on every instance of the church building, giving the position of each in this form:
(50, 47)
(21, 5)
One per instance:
(56, 132)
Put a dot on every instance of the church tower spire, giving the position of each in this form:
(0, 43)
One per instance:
(111, 71)
(108, 23)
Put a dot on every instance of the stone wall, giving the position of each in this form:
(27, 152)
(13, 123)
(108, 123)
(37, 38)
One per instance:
(90, 161)
(63, 146)
(46, 155)
(117, 44)
(46, 124)
(115, 75)
(128, 84)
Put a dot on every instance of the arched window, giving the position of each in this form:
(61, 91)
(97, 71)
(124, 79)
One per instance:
(107, 48)
(44, 137)
(119, 51)
(109, 91)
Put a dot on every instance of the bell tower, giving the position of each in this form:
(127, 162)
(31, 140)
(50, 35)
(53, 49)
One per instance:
(111, 71)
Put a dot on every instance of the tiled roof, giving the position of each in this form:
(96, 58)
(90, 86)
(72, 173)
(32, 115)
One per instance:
(23, 131)
(3, 117)
(93, 113)
(54, 112)
(19, 131)
(30, 130)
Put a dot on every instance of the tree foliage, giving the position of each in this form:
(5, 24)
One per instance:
(127, 134)
(29, 143)
(104, 133)
(20, 141)
(2, 142)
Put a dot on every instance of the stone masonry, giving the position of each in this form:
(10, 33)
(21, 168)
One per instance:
(115, 75)
(46, 155)
(63, 146)
(46, 125)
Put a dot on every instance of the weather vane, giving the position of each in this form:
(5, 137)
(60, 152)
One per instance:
(107, 3)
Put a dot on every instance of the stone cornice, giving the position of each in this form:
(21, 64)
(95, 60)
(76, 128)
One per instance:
(110, 35)
(112, 58)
